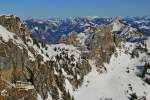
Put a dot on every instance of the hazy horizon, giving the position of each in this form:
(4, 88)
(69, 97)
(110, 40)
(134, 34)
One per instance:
(74, 8)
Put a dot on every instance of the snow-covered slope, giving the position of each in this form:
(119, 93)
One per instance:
(118, 83)
(117, 26)
(123, 80)
(6, 35)
(65, 72)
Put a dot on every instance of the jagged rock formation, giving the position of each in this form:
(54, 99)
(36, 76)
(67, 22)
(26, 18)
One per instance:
(35, 69)
(46, 67)
(99, 41)
(71, 38)
(14, 24)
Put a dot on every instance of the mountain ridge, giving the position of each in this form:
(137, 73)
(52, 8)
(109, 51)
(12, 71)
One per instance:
(67, 70)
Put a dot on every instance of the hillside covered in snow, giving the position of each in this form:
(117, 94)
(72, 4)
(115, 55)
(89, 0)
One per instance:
(94, 59)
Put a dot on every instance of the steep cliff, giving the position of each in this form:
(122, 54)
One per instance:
(33, 66)
(98, 42)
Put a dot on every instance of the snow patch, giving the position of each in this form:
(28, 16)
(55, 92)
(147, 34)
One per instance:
(82, 37)
(117, 26)
(5, 34)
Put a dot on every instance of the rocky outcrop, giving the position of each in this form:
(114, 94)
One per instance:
(71, 38)
(102, 46)
(14, 24)
(34, 62)
(99, 42)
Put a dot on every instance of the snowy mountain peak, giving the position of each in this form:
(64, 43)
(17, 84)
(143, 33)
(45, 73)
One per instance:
(117, 25)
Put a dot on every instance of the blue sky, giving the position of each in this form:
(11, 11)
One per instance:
(67, 8)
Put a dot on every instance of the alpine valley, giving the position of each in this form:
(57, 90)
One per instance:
(80, 58)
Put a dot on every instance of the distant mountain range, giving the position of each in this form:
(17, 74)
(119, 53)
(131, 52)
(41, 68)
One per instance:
(51, 30)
